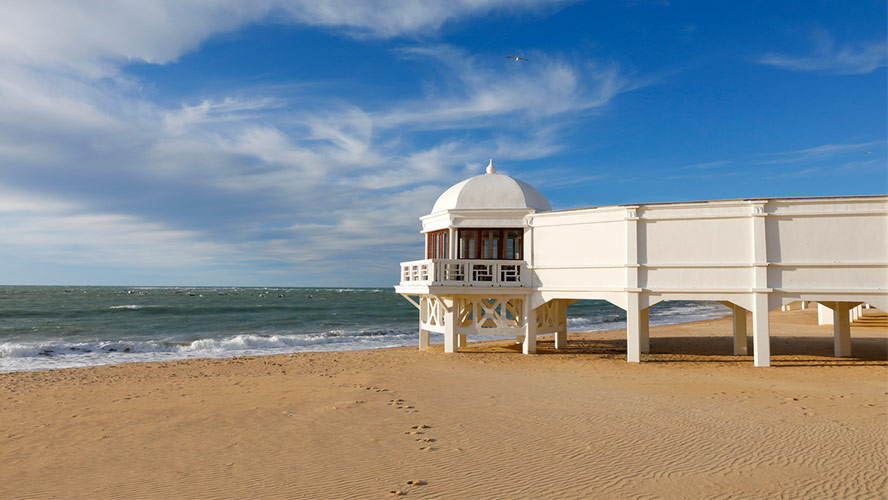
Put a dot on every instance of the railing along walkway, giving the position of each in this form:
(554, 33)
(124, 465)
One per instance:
(461, 272)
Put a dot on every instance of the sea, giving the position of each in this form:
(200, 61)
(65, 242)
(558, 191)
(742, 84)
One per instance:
(49, 327)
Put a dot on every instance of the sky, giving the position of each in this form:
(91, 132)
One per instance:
(297, 142)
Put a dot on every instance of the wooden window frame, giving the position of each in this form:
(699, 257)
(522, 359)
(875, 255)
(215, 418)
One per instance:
(438, 244)
(501, 245)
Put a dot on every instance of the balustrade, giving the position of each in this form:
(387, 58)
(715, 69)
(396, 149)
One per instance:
(464, 272)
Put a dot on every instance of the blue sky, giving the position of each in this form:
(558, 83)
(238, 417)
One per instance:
(296, 143)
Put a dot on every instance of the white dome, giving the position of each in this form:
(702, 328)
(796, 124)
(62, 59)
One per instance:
(493, 191)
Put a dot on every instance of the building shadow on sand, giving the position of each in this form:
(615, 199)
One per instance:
(785, 351)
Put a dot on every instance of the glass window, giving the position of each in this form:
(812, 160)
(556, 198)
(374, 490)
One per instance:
(468, 244)
(513, 244)
(437, 245)
(490, 244)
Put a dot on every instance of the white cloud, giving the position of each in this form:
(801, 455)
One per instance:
(821, 152)
(94, 37)
(542, 87)
(65, 232)
(251, 177)
(827, 57)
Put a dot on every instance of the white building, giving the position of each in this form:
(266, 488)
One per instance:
(500, 261)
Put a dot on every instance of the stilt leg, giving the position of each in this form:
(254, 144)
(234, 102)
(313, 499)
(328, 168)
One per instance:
(423, 339)
(561, 335)
(530, 327)
(633, 330)
(761, 335)
(462, 340)
(644, 332)
(841, 330)
(450, 340)
(739, 331)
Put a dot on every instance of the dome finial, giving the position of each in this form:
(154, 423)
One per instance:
(490, 168)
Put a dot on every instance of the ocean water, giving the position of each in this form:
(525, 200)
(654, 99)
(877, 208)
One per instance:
(45, 327)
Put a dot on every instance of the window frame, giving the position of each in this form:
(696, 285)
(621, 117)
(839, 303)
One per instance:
(438, 244)
(500, 243)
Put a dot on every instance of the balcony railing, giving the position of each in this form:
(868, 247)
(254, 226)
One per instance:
(450, 272)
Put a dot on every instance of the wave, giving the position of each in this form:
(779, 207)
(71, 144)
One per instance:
(665, 315)
(58, 354)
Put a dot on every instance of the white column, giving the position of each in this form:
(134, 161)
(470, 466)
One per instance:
(644, 331)
(423, 338)
(841, 330)
(450, 341)
(804, 305)
(634, 333)
(530, 328)
(761, 335)
(461, 340)
(561, 339)
(739, 317)
(824, 314)
(561, 334)
(633, 328)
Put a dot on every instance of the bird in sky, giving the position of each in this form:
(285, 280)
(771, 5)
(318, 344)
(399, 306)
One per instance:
(868, 152)
(516, 58)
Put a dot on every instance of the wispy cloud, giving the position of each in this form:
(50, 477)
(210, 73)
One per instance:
(818, 153)
(95, 171)
(95, 39)
(476, 91)
(828, 57)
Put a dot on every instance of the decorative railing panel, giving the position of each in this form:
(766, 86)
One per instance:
(452, 272)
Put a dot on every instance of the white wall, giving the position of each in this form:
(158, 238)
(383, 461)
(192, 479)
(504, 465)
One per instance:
(828, 248)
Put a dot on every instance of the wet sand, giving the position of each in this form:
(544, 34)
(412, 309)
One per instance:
(690, 421)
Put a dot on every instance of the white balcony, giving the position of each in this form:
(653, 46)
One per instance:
(477, 273)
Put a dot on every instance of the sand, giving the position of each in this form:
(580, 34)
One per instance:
(690, 421)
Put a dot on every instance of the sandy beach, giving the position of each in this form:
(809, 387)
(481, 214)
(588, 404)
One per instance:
(690, 421)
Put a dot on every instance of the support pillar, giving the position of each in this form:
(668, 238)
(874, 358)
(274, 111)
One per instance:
(761, 335)
(842, 330)
(644, 330)
(824, 314)
(633, 328)
(739, 317)
(423, 338)
(561, 334)
(450, 340)
(530, 329)
(461, 340)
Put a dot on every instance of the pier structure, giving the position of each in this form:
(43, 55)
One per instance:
(500, 261)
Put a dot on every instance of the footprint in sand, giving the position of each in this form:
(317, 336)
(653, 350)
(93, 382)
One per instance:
(414, 432)
(428, 448)
(426, 440)
(397, 493)
(416, 482)
(421, 426)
